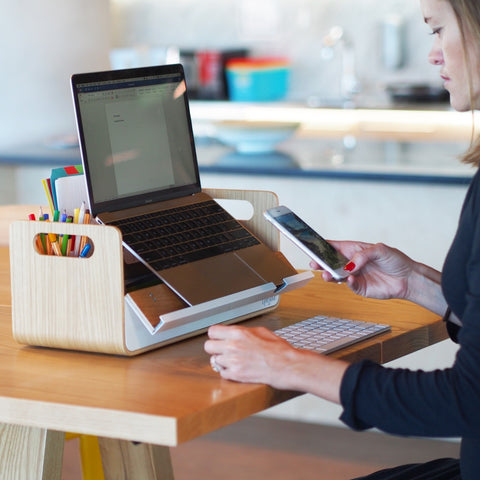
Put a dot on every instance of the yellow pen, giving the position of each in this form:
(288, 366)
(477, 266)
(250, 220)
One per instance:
(76, 215)
(81, 215)
(83, 240)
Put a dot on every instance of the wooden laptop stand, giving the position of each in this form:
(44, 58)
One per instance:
(80, 303)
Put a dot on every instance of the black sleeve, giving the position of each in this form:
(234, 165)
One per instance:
(405, 402)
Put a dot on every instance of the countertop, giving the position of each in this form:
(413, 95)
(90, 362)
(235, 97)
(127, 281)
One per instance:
(377, 144)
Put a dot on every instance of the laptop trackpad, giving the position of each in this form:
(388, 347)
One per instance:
(206, 280)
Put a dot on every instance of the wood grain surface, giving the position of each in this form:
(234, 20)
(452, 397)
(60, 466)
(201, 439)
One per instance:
(171, 395)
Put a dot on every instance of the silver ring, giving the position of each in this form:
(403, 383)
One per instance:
(214, 364)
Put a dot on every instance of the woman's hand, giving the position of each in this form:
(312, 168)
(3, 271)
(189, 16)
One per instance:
(254, 355)
(377, 271)
(257, 355)
(383, 272)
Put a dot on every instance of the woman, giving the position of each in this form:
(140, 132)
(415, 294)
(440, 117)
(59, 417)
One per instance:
(395, 400)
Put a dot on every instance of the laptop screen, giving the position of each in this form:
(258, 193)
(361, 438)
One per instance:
(136, 136)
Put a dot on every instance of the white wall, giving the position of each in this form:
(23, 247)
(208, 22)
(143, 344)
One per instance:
(282, 27)
(41, 45)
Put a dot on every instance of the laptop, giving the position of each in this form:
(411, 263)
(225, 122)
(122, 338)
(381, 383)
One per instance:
(142, 176)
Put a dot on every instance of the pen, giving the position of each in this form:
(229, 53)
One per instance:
(86, 217)
(43, 240)
(47, 238)
(81, 215)
(76, 214)
(83, 240)
(53, 241)
(38, 239)
(85, 250)
(66, 240)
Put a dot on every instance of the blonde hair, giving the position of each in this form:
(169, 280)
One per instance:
(468, 18)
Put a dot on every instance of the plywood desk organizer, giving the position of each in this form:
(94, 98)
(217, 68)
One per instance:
(81, 304)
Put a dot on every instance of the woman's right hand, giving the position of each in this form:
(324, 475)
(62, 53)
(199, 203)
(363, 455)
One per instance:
(377, 271)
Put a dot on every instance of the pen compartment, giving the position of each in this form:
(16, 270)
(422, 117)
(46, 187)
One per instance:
(64, 301)
(63, 245)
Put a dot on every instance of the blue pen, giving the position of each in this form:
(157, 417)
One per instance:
(85, 250)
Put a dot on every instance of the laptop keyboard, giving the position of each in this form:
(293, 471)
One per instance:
(185, 234)
(325, 334)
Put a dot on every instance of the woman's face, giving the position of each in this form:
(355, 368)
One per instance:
(447, 52)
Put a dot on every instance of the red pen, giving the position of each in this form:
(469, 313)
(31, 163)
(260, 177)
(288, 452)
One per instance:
(38, 237)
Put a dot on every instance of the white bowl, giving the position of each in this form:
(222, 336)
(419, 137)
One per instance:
(254, 137)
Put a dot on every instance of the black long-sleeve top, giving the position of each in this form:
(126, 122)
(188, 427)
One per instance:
(441, 403)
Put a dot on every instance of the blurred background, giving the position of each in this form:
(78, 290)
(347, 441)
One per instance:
(41, 47)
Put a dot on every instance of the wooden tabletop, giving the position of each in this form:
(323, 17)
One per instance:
(171, 395)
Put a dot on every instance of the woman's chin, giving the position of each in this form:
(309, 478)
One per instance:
(463, 104)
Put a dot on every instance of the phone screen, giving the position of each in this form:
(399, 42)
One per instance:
(312, 240)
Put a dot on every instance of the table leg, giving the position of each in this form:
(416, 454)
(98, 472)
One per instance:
(124, 460)
(33, 453)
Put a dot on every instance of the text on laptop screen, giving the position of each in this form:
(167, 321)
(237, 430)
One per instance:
(137, 136)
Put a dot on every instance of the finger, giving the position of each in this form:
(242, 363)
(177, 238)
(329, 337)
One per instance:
(369, 255)
(348, 248)
(211, 347)
(215, 347)
(327, 276)
(314, 265)
(219, 332)
(216, 367)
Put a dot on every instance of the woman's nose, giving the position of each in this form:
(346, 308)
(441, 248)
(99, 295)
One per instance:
(435, 57)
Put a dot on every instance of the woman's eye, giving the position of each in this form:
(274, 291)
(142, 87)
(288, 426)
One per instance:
(435, 31)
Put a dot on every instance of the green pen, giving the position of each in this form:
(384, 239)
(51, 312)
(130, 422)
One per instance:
(41, 218)
(65, 238)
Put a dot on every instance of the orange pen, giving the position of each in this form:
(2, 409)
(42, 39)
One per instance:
(53, 242)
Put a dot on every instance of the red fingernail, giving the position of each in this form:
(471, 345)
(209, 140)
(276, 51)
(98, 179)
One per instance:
(349, 267)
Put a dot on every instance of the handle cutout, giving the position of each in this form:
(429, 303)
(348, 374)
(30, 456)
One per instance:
(239, 209)
(63, 245)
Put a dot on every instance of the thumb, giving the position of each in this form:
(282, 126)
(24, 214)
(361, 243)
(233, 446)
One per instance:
(361, 258)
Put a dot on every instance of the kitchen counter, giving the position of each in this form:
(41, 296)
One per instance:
(401, 145)
(412, 123)
(313, 158)
(39, 154)
(388, 144)
(299, 157)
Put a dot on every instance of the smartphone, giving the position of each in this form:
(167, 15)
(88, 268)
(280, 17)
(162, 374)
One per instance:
(302, 235)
